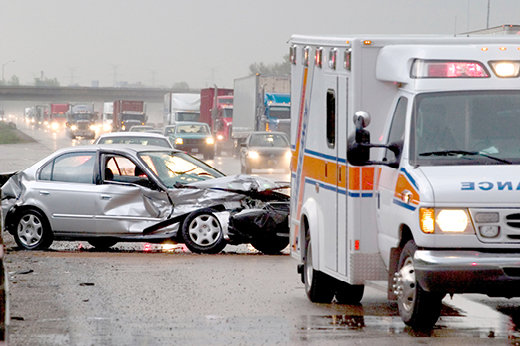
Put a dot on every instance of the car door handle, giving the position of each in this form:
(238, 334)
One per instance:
(106, 196)
(44, 193)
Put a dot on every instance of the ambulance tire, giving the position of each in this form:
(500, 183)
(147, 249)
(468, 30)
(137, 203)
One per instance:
(349, 294)
(417, 307)
(320, 287)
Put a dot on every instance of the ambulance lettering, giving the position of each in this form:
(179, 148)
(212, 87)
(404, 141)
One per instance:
(488, 186)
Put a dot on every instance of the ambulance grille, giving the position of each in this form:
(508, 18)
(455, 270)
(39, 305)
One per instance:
(513, 220)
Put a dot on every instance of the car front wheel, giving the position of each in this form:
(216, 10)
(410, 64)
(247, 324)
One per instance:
(33, 231)
(202, 232)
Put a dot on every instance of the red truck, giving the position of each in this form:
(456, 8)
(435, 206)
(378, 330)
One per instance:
(216, 109)
(127, 114)
(58, 116)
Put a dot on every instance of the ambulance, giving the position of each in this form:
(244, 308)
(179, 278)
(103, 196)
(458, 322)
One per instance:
(406, 168)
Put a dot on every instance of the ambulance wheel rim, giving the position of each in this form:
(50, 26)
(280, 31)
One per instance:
(407, 285)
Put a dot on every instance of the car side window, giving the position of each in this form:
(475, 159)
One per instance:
(121, 169)
(71, 168)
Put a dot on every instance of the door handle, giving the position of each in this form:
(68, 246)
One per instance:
(105, 197)
(44, 193)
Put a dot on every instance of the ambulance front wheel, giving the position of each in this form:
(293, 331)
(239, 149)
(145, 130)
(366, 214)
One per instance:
(320, 287)
(417, 307)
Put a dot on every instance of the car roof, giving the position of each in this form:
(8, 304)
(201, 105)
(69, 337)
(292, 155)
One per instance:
(132, 134)
(120, 148)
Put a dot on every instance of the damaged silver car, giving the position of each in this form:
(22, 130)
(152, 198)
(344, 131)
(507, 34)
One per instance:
(106, 194)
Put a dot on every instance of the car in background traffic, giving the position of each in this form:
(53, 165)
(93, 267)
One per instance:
(168, 130)
(106, 194)
(141, 128)
(265, 150)
(141, 138)
(194, 138)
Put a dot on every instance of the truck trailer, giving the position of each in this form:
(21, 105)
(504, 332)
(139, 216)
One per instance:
(128, 113)
(405, 168)
(260, 103)
(216, 109)
(58, 115)
(181, 107)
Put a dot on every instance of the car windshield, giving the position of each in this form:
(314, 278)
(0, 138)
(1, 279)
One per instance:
(466, 128)
(269, 140)
(188, 116)
(135, 140)
(280, 112)
(193, 128)
(177, 168)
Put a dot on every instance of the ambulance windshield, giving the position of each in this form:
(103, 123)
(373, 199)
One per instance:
(466, 128)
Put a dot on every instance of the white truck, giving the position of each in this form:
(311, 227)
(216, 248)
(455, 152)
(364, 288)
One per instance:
(181, 107)
(260, 103)
(405, 168)
(108, 115)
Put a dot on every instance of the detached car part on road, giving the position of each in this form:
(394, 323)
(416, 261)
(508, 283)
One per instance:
(106, 194)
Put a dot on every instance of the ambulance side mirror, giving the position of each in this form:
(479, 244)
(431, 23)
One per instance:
(358, 152)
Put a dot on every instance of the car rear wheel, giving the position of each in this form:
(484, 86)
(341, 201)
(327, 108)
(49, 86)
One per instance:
(33, 231)
(202, 232)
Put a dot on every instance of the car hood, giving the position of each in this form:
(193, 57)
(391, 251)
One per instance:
(242, 183)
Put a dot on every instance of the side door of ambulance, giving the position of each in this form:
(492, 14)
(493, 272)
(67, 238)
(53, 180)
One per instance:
(332, 193)
(392, 189)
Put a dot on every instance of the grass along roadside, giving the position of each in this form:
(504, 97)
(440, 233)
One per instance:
(10, 135)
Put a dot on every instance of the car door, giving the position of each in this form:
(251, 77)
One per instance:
(126, 203)
(66, 192)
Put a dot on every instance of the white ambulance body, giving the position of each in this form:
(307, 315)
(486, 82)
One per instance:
(435, 209)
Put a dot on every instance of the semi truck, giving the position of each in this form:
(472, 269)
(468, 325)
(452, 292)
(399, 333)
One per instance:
(405, 168)
(58, 115)
(82, 121)
(128, 113)
(261, 103)
(216, 109)
(107, 116)
(181, 107)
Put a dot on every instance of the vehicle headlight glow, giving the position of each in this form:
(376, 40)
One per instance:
(73, 127)
(55, 126)
(436, 220)
(288, 155)
(210, 141)
(253, 155)
(220, 137)
(107, 127)
(179, 141)
(93, 127)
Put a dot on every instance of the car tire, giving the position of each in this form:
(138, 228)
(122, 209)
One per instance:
(211, 155)
(102, 243)
(33, 231)
(417, 307)
(271, 245)
(203, 233)
(319, 287)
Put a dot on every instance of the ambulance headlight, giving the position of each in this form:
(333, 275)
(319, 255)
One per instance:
(506, 69)
(447, 221)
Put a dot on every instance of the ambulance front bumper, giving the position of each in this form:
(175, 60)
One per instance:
(466, 271)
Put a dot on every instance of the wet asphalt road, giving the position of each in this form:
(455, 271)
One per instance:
(141, 294)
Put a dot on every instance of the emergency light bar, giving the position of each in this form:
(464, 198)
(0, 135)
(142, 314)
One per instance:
(506, 69)
(448, 69)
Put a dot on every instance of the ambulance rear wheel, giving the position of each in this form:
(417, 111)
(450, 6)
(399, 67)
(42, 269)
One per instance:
(349, 294)
(320, 287)
(417, 307)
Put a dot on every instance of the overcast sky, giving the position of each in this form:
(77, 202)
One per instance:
(202, 42)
